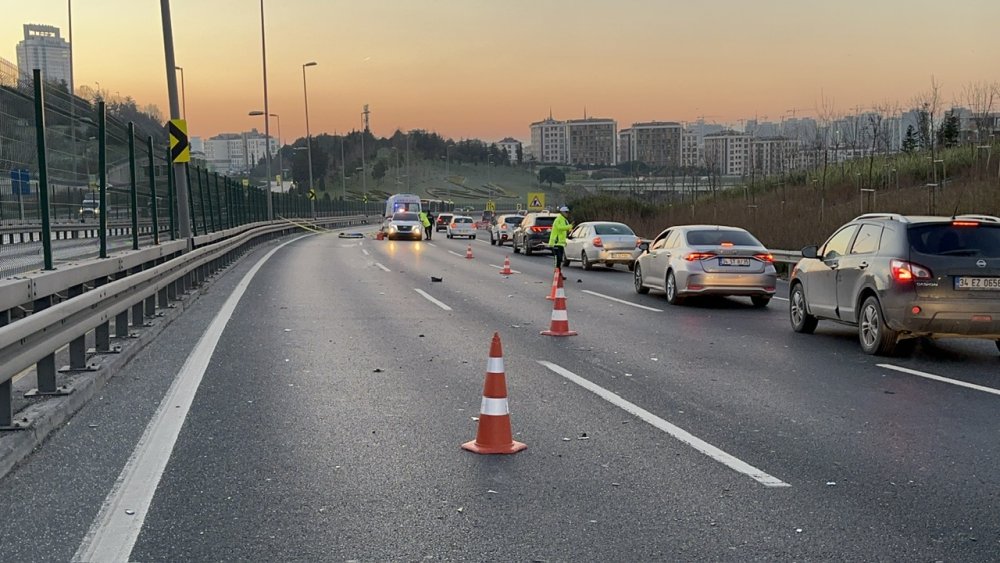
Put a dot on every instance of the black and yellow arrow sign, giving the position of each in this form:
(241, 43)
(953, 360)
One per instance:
(180, 148)
(311, 194)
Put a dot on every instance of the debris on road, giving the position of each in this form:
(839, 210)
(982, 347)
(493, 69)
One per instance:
(436, 279)
(583, 436)
(377, 370)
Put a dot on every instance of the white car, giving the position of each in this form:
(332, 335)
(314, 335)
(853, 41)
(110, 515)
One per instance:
(404, 224)
(462, 226)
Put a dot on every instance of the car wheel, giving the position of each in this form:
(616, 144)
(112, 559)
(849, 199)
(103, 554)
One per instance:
(513, 245)
(527, 250)
(802, 321)
(473, 237)
(565, 261)
(493, 241)
(585, 262)
(631, 266)
(876, 338)
(760, 301)
(998, 345)
(637, 279)
(671, 286)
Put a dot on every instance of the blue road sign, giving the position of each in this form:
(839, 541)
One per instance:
(20, 182)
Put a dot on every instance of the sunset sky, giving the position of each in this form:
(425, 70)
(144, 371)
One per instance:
(472, 68)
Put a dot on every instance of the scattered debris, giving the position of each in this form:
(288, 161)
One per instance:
(491, 492)
(628, 375)
(435, 279)
(420, 336)
(566, 440)
(515, 326)
(798, 530)
(616, 484)
(474, 418)
(130, 512)
(92, 425)
(579, 280)
(461, 509)
(583, 436)
(288, 330)
(377, 370)
(831, 483)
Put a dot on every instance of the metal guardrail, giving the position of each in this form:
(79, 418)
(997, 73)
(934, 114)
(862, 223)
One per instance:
(43, 311)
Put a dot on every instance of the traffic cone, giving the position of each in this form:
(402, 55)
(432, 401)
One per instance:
(556, 278)
(506, 271)
(468, 252)
(560, 320)
(494, 435)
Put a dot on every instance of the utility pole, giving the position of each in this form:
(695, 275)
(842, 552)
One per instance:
(183, 213)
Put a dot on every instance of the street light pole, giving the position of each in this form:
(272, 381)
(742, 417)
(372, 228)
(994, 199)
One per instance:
(184, 104)
(309, 150)
(183, 213)
(281, 171)
(267, 122)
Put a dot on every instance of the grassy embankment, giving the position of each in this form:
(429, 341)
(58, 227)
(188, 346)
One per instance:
(799, 211)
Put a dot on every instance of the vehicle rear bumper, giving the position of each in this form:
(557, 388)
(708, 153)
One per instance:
(978, 318)
(537, 243)
(615, 256)
(729, 284)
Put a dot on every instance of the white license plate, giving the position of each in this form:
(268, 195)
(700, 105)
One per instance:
(977, 283)
(621, 255)
(734, 261)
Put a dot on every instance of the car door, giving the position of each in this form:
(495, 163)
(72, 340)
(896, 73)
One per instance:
(660, 252)
(821, 285)
(574, 242)
(852, 269)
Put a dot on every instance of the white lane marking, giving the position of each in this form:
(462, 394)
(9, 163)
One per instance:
(456, 254)
(431, 244)
(432, 300)
(779, 298)
(384, 269)
(365, 252)
(113, 533)
(675, 431)
(623, 302)
(924, 374)
(501, 267)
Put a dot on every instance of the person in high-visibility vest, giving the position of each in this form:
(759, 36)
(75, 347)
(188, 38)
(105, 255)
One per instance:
(428, 231)
(557, 236)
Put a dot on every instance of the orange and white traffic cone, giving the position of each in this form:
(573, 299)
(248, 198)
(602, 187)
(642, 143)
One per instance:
(560, 320)
(468, 252)
(556, 278)
(506, 271)
(494, 435)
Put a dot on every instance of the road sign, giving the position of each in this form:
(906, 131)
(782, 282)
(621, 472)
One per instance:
(536, 201)
(312, 194)
(491, 205)
(246, 182)
(20, 182)
(180, 148)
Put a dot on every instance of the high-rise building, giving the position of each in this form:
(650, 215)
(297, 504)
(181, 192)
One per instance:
(43, 48)
(233, 153)
(625, 152)
(727, 153)
(548, 141)
(591, 141)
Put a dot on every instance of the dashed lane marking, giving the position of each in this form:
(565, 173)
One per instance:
(456, 254)
(501, 267)
(623, 302)
(432, 300)
(384, 269)
(365, 252)
(933, 377)
(684, 436)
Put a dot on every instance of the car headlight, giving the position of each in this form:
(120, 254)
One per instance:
(392, 228)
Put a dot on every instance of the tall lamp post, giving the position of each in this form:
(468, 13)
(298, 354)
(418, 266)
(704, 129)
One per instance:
(309, 150)
(184, 104)
(267, 149)
(267, 122)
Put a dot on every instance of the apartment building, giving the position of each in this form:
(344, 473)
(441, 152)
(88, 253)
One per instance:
(691, 154)
(625, 152)
(43, 48)
(591, 141)
(657, 143)
(548, 141)
(233, 153)
(512, 146)
(774, 155)
(728, 153)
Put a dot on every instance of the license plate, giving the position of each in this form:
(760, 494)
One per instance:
(622, 255)
(734, 261)
(977, 283)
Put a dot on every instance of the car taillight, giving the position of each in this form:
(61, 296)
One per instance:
(638, 242)
(539, 229)
(453, 225)
(597, 242)
(691, 257)
(903, 271)
(764, 257)
(965, 223)
(504, 226)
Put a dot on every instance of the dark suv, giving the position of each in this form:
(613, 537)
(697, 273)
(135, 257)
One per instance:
(533, 233)
(900, 277)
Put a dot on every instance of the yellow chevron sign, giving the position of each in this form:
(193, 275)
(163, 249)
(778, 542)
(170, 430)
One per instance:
(180, 148)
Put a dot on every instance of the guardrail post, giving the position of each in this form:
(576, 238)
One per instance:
(102, 165)
(78, 347)
(6, 390)
(208, 188)
(133, 188)
(152, 191)
(138, 320)
(194, 221)
(45, 369)
(43, 169)
(227, 190)
(121, 322)
(170, 198)
(218, 202)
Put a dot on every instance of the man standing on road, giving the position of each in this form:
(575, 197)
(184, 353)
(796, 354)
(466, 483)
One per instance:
(557, 236)
(426, 223)
(430, 230)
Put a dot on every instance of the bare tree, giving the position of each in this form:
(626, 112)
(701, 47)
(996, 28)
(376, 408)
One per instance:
(827, 114)
(980, 97)
(929, 101)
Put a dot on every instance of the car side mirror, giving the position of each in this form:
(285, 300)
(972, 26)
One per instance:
(811, 251)
(644, 246)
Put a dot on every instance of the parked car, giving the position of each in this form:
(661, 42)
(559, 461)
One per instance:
(442, 222)
(898, 277)
(462, 226)
(90, 208)
(404, 224)
(502, 229)
(706, 260)
(600, 242)
(533, 233)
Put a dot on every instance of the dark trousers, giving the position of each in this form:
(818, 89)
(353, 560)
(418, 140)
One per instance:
(429, 231)
(558, 252)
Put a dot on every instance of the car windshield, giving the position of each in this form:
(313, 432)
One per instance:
(405, 216)
(544, 221)
(718, 237)
(463, 219)
(513, 220)
(948, 239)
(612, 229)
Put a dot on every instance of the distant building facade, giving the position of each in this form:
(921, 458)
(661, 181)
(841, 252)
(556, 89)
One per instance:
(625, 149)
(548, 141)
(512, 146)
(591, 141)
(657, 143)
(691, 154)
(234, 153)
(727, 153)
(43, 48)
(773, 156)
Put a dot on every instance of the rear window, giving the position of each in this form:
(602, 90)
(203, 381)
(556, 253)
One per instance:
(463, 219)
(513, 220)
(945, 239)
(405, 216)
(544, 221)
(612, 229)
(717, 238)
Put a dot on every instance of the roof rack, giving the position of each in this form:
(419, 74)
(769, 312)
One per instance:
(890, 216)
(976, 217)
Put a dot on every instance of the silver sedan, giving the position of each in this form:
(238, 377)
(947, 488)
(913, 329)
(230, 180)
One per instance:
(706, 260)
(600, 242)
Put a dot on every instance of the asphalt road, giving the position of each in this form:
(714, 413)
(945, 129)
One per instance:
(328, 420)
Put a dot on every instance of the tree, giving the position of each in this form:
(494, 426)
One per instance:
(378, 170)
(552, 174)
(929, 103)
(980, 97)
(520, 154)
(910, 142)
(948, 133)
